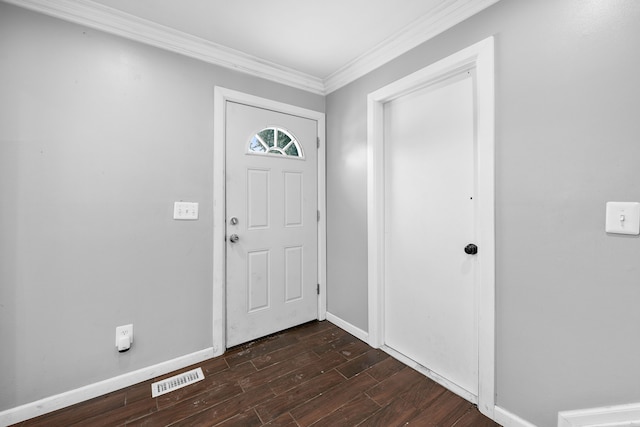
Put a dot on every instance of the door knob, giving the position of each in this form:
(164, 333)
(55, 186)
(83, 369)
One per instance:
(471, 249)
(234, 238)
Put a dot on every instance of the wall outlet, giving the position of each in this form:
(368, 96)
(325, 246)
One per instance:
(124, 331)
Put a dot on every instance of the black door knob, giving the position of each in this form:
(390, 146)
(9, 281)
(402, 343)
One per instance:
(471, 249)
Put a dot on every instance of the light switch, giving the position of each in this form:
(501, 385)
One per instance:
(623, 218)
(185, 210)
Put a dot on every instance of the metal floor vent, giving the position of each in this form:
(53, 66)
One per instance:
(176, 382)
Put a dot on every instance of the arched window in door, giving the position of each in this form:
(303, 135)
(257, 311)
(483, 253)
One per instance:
(275, 140)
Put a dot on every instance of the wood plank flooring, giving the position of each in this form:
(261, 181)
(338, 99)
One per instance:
(312, 375)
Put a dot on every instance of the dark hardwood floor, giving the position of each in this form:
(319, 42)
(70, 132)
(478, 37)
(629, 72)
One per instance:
(315, 374)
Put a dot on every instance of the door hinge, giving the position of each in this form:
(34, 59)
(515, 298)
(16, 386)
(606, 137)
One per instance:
(318, 289)
(318, 215)
(318, 141)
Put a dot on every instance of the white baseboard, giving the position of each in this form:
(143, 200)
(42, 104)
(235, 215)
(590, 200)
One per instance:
(507, 419)
(501, 416)
(607, 416)
(353, 330)
(62, 400)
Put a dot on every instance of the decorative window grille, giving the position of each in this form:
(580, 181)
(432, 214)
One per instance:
(274, 140)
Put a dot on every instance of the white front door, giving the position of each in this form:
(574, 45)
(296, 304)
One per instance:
(430, 313)
(271, 221)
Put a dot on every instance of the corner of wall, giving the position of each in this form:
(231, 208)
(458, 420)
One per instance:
(353, 330)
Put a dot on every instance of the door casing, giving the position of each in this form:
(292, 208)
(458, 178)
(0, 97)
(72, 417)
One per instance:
(221, 97)
(480, 57)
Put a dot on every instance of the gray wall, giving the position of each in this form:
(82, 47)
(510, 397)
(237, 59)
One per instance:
(98, 137)
(568, 141)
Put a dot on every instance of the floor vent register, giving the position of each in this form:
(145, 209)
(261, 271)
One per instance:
(176, 382)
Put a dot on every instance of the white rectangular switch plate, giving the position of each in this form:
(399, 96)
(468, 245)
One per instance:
(185, 210)
(623, 218)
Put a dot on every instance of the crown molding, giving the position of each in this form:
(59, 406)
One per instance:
(450, 13)
(100, 17)
(112, 21)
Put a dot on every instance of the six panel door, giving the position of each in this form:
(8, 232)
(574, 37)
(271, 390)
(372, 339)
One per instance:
(271, 202)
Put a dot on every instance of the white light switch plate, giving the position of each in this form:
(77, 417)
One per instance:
(623, 218)
(185, 210)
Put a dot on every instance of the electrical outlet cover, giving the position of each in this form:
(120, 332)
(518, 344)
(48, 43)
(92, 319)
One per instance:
(126, 330)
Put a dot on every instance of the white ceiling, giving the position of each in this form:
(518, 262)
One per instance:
(316, 37)
(316, 45)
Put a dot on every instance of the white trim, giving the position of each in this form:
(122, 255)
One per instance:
(353, 330)
(480, 57)
(607, 416)
(507, 419)
(451, 13)
(62, 400)
(219, 227)
(221, 96)
(113, 21)
(322, 223)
